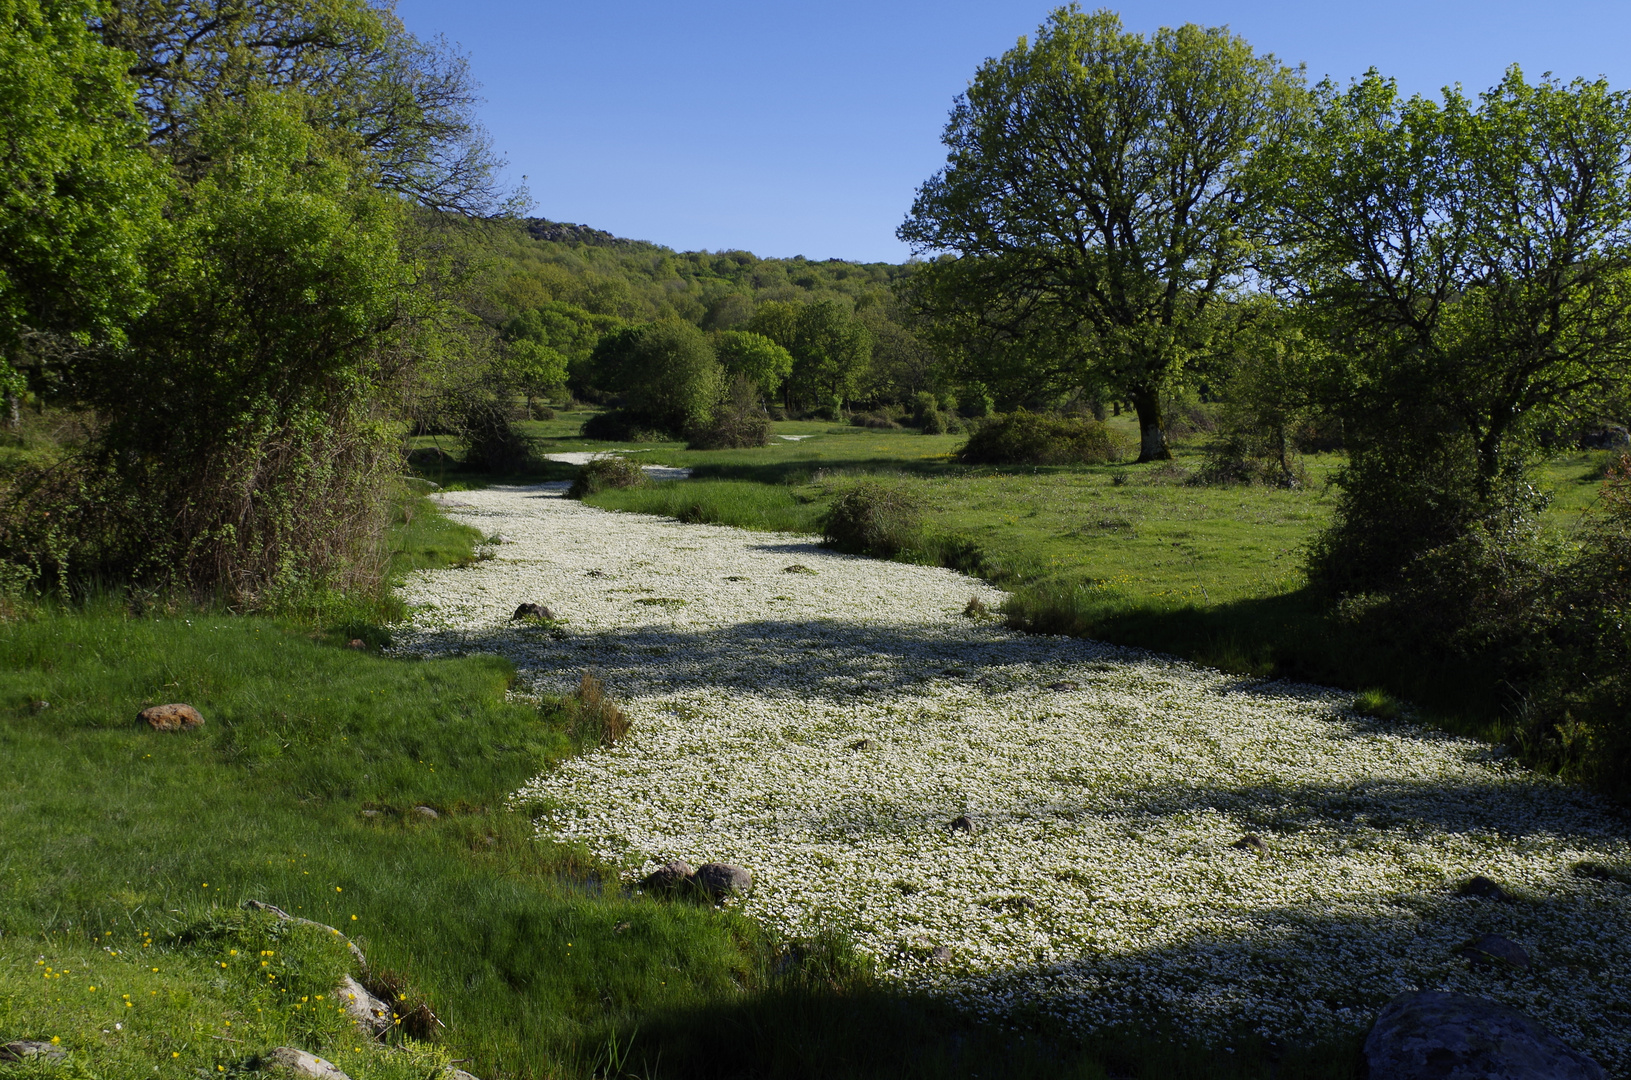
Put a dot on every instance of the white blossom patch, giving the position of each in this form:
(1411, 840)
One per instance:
(823, 720)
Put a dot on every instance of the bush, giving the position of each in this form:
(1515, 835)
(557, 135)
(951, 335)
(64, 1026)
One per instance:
(872, 518)
(606, 472)
(618, 425)
(1022, 438)
(874, 420)
(739, 421)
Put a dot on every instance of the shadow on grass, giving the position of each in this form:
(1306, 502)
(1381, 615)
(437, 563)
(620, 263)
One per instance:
(1288, 636)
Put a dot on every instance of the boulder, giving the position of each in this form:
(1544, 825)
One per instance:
(300, 1063)
(356, 643)
(1063, 685)
(427, 812)
(669, 877)
(533, 611)
(863, 744)
(1428, 1035)
(23, 1049)
(284, 916)
(176, 717)
(961, 823)
(720, 880)
(1252, 843)
(1493, 948)
(1480, 887)
(371, 1015)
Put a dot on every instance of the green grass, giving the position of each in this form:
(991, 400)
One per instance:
(127, 850)
(1128, 553)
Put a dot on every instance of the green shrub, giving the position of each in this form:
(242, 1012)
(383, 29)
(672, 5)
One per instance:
(606, 472)
(665, 371)
(874, 420)
(618, 425)
(1378, 704)
(1022, 438)
(872, 518)
(739, 421)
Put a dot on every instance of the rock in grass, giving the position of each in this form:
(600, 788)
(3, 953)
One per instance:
(533, 611)
(797, 568)
(300, 1063)
(1480, 887)
(1430, 1035)
(863, 744)
(371, 1015)
(1062, 685)
(427, 812)
(176, 717)
(24, 1049)
(961, 823)
(1252, 843)
(1493, 948)
(668, 878)
(721, 880)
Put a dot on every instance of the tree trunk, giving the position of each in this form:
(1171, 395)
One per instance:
(14, 411)
(1152, 433)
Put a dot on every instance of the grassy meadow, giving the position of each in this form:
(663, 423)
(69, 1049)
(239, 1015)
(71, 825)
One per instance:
(129, 857)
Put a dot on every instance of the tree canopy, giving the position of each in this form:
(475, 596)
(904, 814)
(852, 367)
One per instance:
(1097, 195)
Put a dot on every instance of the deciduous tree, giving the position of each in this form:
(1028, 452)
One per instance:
(1097, 196)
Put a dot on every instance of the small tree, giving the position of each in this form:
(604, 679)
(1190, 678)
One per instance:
(1472, 262)
(666, 373)
(757, 358)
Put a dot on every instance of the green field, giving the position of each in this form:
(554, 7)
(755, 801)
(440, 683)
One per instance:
(128, 851)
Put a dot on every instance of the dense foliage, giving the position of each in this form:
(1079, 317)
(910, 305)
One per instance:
(1023, 438)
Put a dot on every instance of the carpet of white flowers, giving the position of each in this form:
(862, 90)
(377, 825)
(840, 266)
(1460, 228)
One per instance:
(822, 720)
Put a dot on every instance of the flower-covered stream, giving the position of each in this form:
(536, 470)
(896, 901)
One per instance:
(821, 720)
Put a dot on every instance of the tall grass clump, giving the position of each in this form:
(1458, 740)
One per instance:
(1023, 438)
(873, 518)
(606, 472)
(592, 718)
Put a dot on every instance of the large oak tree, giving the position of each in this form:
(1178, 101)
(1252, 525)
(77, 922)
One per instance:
(1097, 198)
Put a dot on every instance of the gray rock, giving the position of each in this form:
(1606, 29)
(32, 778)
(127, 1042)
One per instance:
(1430, 1035)
(1495, 948)
(284, 916)
(453, 1073)
(719, 880)
(941, 955)
(371, 1015)
(427, 812)
(301, 1063)
(532, 611)
(1482, 888)
(863, 744)
(1063, 684)
(370, 813)
(961, 823)
(23, 1049)
(670, 877)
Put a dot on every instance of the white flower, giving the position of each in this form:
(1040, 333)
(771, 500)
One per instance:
(1099, 883)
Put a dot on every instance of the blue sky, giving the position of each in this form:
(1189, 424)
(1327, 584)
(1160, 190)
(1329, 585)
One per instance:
(804, 128)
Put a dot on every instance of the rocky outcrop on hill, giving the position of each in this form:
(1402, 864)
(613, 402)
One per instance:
(562, 233)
